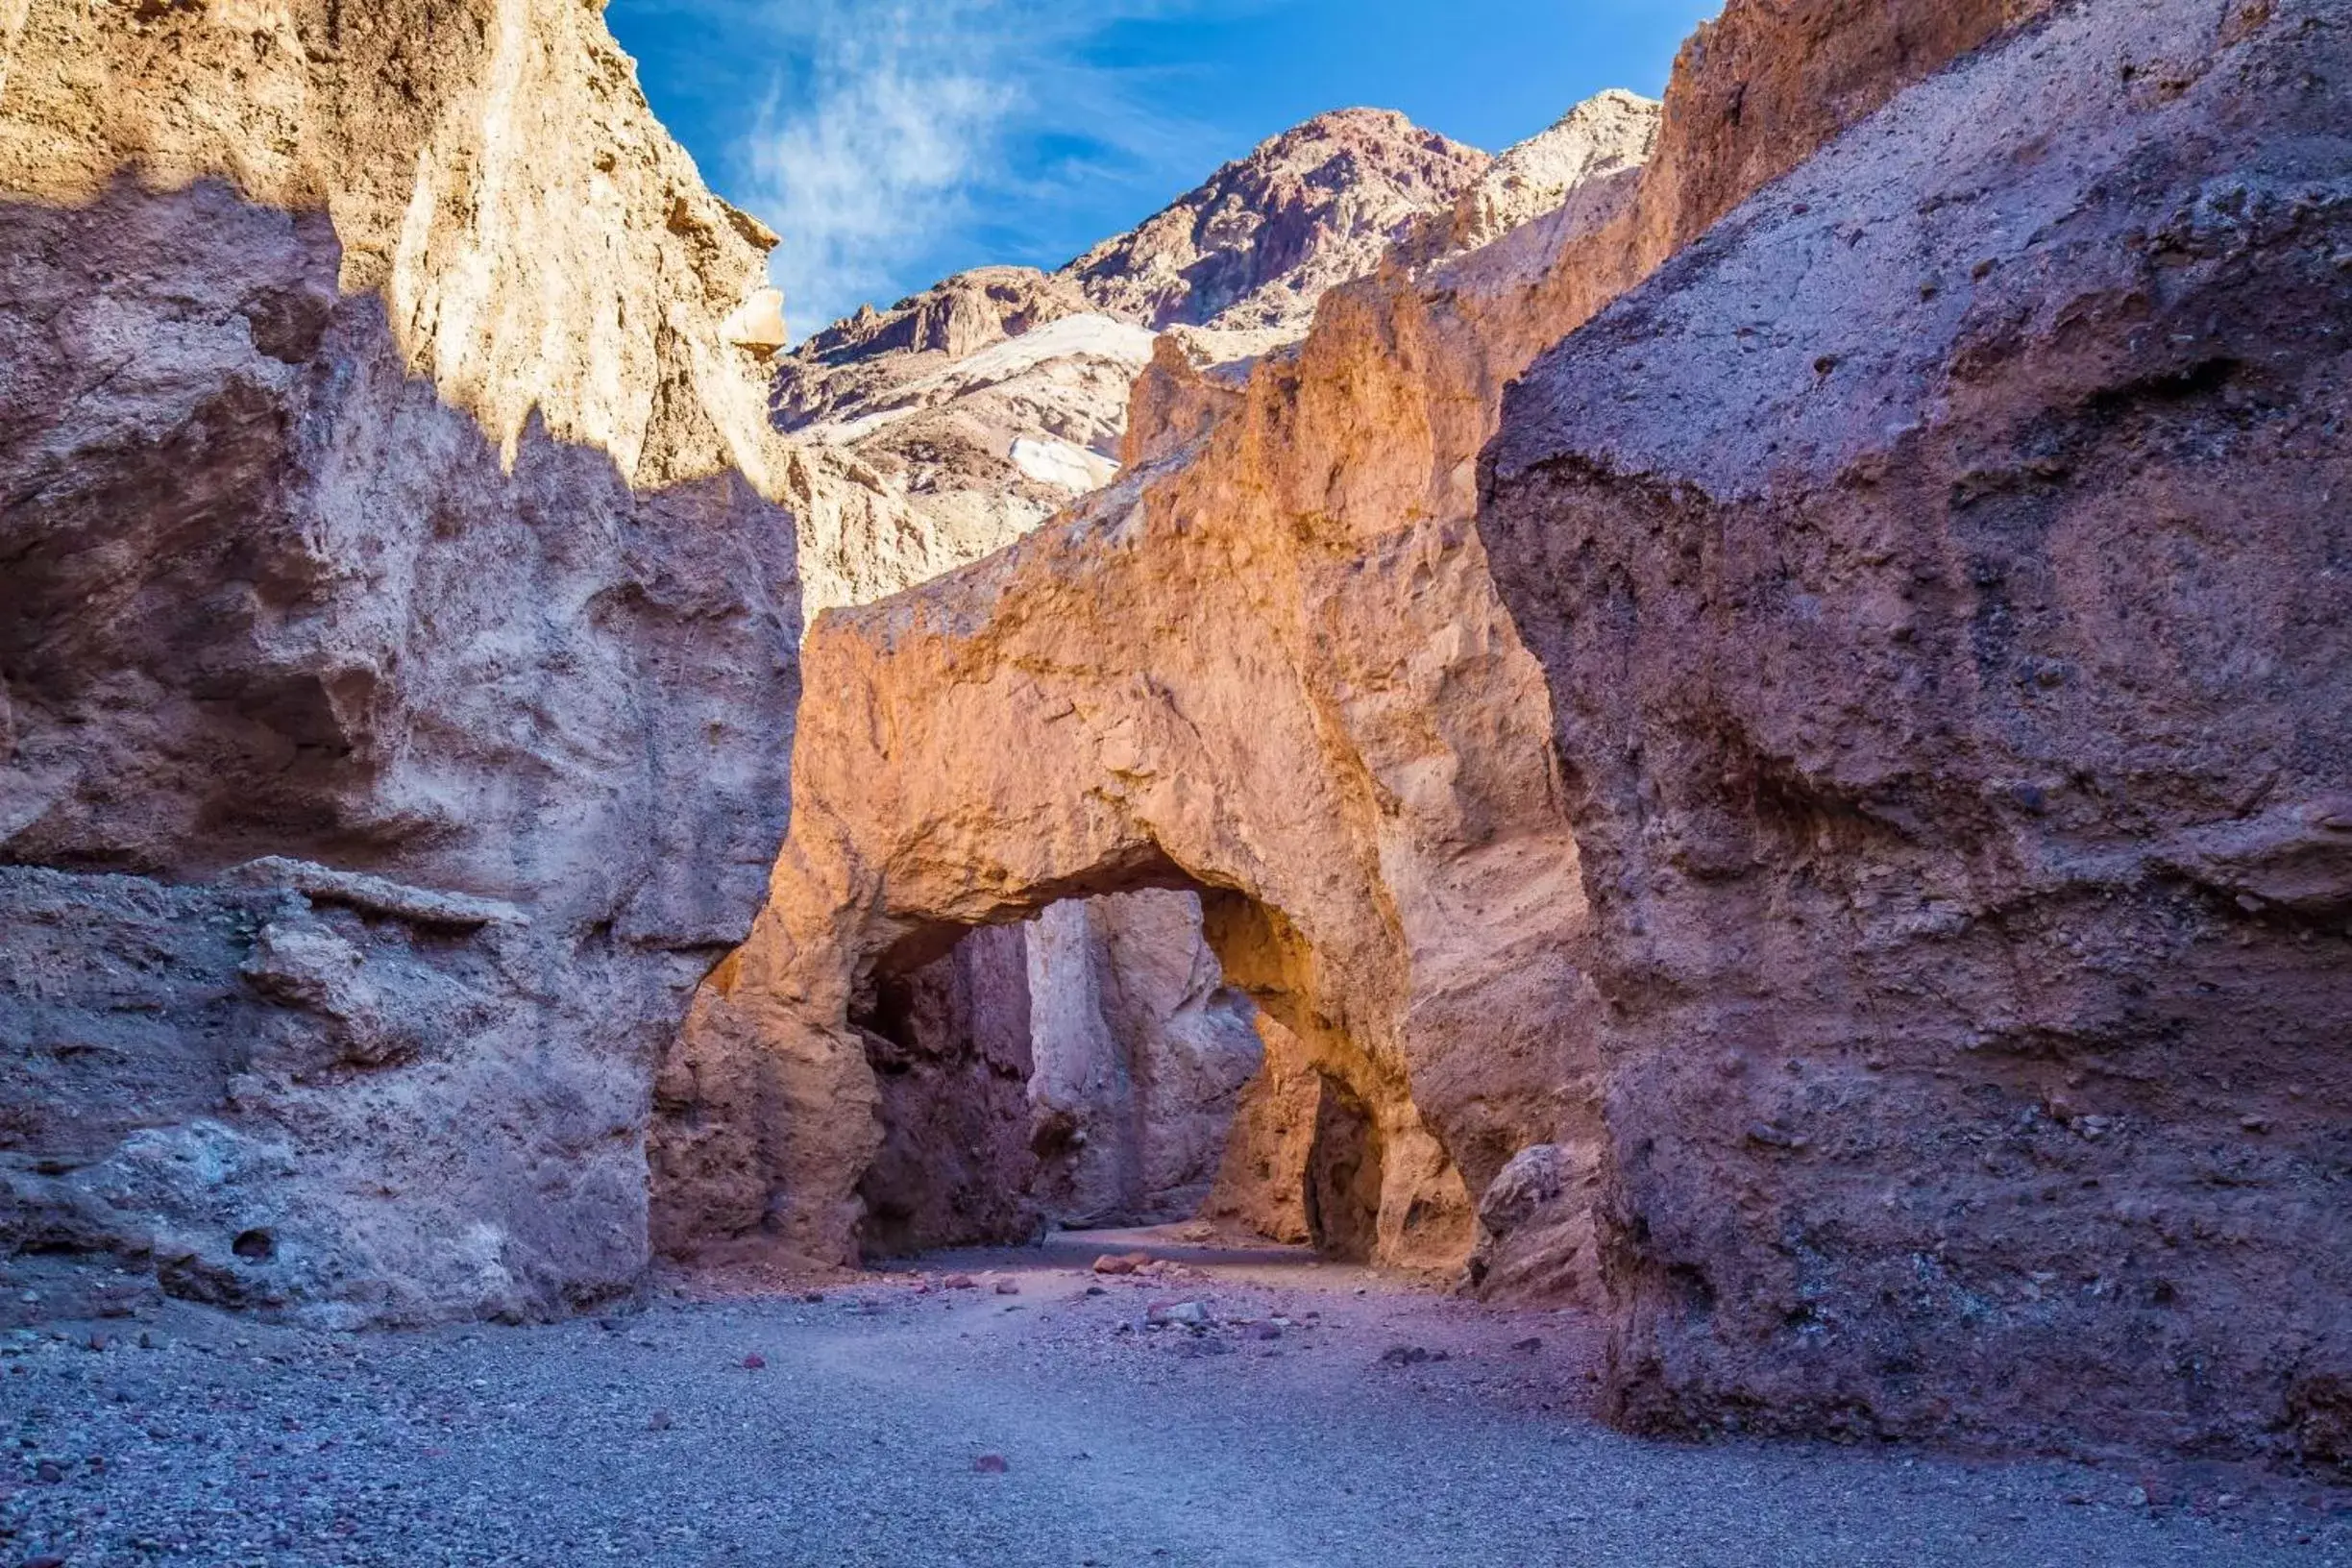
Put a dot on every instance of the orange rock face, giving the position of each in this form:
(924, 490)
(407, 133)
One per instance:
(1270, 664)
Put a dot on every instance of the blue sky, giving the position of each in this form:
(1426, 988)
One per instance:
(892, 142)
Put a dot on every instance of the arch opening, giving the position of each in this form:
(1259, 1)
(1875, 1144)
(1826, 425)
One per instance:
(1095, 1065)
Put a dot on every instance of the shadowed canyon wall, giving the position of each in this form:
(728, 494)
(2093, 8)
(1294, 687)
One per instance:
(1138, 1082)
(397, 645)
(1083, 1068)
(1941, 573)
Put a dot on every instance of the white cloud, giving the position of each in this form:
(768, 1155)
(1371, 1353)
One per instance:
(893, 124)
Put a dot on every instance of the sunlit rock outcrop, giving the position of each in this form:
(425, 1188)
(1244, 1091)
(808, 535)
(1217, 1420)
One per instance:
(1263, 666)
(960, 418)
(396, 644)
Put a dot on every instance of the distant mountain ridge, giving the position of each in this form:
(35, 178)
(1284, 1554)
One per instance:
(1257, 242)
(949, 442)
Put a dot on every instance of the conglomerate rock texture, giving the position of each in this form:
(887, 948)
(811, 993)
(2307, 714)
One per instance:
(1941, 574)
(1829, 840)
(397, 648)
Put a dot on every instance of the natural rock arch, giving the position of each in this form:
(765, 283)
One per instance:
(1393, 881)
(1287, 595)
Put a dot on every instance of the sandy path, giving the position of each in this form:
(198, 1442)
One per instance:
(649, 1441)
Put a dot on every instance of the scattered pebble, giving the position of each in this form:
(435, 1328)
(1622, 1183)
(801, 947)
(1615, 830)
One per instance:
(440, 1448)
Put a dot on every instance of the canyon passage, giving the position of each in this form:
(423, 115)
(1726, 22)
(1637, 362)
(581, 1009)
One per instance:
(1633, 851)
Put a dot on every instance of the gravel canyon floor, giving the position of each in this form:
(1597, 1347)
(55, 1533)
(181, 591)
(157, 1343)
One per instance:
(1325, 1415)
(1730, 727)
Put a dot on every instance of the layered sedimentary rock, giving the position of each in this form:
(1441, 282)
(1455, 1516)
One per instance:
(1194, 681)
(1940, 573)
(397, 648)
(952, 424)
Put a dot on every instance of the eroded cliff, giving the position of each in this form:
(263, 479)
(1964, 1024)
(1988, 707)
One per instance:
(398, 642)
(1940, 572)
(955, 421)
(1270, 663)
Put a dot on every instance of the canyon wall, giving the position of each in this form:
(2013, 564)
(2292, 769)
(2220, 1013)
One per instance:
(1936, 685)
(398, 639)
(950, 1045)
(1142, 1056)
(960, 418)
(1080, 1069)
(1940, 573)
(1268, 663)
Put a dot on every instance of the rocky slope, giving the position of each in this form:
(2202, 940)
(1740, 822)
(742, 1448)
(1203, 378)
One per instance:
(1267, 235)
(949, 424)
(1582, 160)
(1958, 532)
(396, 644)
